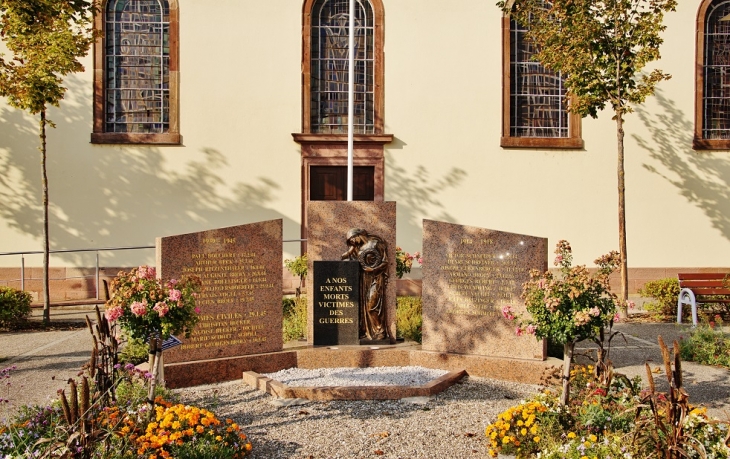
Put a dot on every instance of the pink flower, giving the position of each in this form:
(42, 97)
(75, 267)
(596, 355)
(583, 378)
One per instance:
(114, 313)
(162, 308)
(518, 331)
(531, 329)
(616, 317)
(139, 309)
(172, 283)
(175, 295)
(558, 260)
(197, 310)
(507, 312)
(420, 260)
(631, 304)
(594, 311)
(146, 272)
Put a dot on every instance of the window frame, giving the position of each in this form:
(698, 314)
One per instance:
(507, 140)
(698, 142)
(378, 66)
(99, 134)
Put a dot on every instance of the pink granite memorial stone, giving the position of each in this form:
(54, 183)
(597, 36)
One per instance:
(329, 223)
(240, 302)
(469, 275)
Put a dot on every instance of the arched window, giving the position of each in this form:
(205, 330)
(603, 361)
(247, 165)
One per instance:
(712, 95)
(329, 72)
(533, 99)
(325, 67)
(136, 73)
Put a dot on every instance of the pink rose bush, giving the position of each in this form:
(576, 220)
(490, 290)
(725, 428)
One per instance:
(143, 304)
(569, 307)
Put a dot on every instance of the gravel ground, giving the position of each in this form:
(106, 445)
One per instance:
(448, 425)
(370, 376)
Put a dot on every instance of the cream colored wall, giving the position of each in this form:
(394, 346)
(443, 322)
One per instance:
(443, 104)
(241, 100)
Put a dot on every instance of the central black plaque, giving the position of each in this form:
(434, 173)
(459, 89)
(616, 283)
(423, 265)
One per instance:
(336, 302)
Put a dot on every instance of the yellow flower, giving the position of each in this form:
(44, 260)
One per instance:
(536, 439)
(571, 435)
(592, 438)
(523, 431)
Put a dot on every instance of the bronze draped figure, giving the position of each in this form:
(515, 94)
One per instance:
(371, 252)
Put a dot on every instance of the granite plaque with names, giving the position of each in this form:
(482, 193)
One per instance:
(240, 302)
(336, 302)
(469, 275)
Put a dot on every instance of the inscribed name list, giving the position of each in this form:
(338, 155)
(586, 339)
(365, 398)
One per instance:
(470, 275)
(240, 301)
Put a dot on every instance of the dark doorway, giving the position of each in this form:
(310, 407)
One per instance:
(329, 183)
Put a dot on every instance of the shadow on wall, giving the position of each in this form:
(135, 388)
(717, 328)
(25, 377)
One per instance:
(702, 178)
(419, 193)
(127, 196)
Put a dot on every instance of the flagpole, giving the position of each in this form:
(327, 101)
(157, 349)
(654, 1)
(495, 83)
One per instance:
(350, 100)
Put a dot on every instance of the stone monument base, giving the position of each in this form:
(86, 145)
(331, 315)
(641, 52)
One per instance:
(281, 390)
(212, 371)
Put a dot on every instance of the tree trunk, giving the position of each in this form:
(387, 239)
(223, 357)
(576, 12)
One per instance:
(46, 245)
(155, 363)
(623, 306)
(567, 359)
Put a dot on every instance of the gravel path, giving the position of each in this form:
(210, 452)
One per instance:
(449, 425)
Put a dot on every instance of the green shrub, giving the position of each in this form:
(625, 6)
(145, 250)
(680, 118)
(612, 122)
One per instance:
(409, 317)
(665, 293)
(707, 344)
(295, 318)
(135, 351)
(298, 267)
(14, 307)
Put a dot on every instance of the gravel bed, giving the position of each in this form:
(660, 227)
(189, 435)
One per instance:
(372, 376)
(448, 425)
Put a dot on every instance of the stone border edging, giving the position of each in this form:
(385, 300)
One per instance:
(281, 390)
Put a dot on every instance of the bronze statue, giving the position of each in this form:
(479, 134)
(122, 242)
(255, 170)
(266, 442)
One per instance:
(371, 252)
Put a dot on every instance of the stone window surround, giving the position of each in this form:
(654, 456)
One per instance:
(379, 33)
(98, 135)
(573, 141)
(698, 143)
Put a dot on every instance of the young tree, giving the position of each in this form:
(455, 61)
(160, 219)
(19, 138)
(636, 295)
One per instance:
(601, 47)
(45, 39)
(568, 307)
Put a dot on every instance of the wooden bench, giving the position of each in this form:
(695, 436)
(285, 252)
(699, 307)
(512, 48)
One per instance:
(701, 288)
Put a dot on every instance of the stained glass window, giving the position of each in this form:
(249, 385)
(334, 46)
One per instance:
(329, 67)
(537, 95)
(716, 100)
(137, 90)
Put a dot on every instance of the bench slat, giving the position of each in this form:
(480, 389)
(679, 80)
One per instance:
(702, 284)
(701, 276)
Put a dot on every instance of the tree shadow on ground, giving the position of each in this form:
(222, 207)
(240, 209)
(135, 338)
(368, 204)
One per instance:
(116, 193)
(702, 178)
